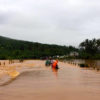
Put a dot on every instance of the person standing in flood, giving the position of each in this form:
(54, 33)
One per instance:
(55, 64)
(47, 63)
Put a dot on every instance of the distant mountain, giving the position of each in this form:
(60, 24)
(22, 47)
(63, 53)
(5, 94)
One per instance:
(18, 49)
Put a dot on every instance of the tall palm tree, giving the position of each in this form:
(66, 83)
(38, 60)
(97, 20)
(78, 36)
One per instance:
(90, 46)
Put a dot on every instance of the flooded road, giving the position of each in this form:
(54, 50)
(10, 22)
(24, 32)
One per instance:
(43, 83)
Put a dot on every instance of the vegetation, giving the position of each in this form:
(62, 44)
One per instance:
(83, 65)
(90, 49)
(17, 49)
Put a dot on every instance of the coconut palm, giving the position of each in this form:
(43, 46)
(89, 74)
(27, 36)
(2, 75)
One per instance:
(90, 46)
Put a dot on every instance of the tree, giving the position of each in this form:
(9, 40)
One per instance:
(90, 46)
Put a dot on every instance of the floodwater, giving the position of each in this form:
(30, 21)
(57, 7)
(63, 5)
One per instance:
(44, 83)
(91, 63)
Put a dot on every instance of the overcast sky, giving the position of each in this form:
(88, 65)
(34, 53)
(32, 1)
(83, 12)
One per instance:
(64, 22)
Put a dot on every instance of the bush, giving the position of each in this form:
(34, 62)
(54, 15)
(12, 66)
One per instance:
(83, 65)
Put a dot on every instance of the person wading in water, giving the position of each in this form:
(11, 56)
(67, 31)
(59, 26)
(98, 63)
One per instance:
(55, 64)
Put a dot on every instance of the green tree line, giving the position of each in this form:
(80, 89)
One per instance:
(17, 49)
(90, 49)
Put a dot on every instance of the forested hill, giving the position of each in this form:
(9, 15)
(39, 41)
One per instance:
(17, 49)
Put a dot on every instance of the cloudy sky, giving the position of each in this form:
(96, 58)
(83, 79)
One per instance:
(64, 22)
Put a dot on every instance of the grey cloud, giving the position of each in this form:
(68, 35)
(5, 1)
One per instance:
(50, 21)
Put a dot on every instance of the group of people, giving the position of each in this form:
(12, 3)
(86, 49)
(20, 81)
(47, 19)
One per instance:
(52, 63)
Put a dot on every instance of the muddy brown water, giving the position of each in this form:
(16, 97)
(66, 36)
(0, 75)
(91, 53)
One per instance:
(91, 63)
(43, 83)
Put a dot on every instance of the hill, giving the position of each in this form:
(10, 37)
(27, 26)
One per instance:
(18, 49)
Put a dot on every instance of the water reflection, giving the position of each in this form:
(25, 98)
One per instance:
(55, 71)
(95, 64)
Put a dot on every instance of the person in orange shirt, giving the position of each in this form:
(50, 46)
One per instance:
(55, 64)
